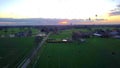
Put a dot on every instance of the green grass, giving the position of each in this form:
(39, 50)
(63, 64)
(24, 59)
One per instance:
(14, 50)
(94, 53)
(16, 30)
(66, 33)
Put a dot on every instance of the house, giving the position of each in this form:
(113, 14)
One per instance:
(97, 34)
(80, 36)
(11, 35)
(113, 33)
(41, 34)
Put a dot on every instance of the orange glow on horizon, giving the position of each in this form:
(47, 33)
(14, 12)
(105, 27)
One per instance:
(115, 18)
(63, 22)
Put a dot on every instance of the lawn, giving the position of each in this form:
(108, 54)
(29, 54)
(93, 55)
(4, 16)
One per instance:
(14, 50)
(94, 53)
(7, 31)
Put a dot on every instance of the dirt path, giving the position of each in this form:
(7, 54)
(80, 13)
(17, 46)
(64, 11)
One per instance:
(28, 59)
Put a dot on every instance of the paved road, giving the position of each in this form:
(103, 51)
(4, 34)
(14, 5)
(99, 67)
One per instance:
(28, 59)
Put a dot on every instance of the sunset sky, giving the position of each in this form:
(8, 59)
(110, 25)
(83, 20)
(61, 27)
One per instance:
(107, 11)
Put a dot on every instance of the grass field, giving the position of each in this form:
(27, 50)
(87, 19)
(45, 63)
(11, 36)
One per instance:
(94, 53)
(16, 30)
(14, 50)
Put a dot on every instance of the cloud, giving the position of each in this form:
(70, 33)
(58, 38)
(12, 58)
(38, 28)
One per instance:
(118, 5)
(115, 13)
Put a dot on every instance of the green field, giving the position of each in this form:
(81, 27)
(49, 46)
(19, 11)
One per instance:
(94, 53)
(14, 50)
(7, 31)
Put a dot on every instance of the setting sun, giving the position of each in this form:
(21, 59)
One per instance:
(63, 22)
(63, 9)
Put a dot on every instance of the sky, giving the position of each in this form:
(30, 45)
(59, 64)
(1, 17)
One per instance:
(107, 11)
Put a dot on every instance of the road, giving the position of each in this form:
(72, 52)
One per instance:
(28, 59)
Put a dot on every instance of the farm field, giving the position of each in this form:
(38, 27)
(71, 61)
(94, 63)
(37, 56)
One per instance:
(93, 53)
(6, 31)
(14, 50)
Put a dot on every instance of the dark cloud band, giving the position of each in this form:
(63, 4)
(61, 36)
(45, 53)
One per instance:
(115, 13)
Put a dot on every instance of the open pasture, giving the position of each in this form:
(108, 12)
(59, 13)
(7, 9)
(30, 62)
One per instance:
(95, 52)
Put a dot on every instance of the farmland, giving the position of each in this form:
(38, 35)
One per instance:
(14, 50)
(93, 53)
